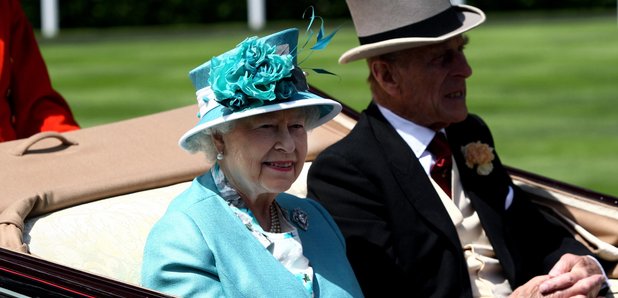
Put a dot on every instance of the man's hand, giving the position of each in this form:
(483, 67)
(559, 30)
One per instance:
(531, 288)
(573, 276)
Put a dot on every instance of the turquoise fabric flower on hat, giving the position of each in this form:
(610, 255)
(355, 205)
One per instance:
(251, 75)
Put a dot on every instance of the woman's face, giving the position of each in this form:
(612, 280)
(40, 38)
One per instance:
(264, 154)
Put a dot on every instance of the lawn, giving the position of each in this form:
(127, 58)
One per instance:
(547, 86)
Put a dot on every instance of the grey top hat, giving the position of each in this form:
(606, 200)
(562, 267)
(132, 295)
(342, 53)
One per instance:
(388, 26)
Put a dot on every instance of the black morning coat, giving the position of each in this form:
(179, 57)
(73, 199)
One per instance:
(400, 239)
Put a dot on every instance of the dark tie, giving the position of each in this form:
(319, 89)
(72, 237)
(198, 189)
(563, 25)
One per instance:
(441, 170)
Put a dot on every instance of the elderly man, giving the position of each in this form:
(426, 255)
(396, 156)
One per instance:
(423, 200)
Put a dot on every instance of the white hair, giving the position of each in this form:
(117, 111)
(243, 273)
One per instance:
(202, 141)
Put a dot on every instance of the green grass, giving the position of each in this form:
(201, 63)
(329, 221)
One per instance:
(547, 86)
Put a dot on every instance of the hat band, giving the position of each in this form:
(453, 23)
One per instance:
(440, 24)
(210, 103)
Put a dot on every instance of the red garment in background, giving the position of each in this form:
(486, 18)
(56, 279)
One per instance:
(28, 103)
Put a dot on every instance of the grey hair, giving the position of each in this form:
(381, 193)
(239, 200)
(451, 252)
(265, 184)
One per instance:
(203, 141)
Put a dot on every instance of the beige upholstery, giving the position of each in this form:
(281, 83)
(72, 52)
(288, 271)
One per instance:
(592, 223)
(97, 162)
(51, 171)
(105, 237)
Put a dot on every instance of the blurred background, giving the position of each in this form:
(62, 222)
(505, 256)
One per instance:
(545, 71)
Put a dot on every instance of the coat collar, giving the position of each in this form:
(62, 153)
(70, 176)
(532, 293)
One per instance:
(409, 174)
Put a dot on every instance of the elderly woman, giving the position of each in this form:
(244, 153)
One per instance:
(234, 232)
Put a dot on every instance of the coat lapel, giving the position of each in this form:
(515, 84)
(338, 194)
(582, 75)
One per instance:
(410, 176)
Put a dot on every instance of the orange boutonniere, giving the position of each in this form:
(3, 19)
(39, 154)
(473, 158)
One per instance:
(479, 155)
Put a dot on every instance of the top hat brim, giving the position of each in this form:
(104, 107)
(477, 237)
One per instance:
(472, 17)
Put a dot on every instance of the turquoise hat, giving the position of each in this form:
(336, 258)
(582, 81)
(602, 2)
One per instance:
(259, 76)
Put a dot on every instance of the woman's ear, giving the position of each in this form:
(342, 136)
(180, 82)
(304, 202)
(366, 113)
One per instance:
(217, 139)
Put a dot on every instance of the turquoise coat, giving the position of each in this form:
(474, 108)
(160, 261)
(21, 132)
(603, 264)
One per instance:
(199, 248)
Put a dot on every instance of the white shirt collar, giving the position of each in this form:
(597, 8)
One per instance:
(416, 136)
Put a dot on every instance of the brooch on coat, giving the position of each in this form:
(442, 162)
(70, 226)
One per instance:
(480, 156)
(300, 218)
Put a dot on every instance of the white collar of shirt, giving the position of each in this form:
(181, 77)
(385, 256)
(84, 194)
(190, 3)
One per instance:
(416, 136)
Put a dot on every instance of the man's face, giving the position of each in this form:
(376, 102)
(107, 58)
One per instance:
(432, 84)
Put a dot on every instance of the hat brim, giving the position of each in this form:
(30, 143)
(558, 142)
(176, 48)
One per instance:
(472, 17)
(328, 110)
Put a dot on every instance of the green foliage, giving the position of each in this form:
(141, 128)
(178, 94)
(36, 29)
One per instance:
(118, 13)
(545, 86)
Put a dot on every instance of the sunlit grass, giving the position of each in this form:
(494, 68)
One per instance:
(546, 86)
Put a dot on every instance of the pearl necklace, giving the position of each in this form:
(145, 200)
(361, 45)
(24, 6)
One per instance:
(275, 224)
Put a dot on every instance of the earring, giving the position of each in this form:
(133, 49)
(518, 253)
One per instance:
(219, 156)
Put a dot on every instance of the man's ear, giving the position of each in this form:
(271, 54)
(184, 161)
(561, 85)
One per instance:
(387, 75)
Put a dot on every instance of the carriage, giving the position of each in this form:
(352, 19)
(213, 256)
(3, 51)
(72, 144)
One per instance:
(76, 207)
